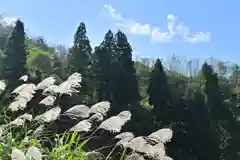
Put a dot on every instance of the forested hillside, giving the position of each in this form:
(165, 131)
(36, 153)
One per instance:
(198, 110)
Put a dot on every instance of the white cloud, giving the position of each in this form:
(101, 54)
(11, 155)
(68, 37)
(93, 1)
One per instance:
(174, 28)
(199, 37)
(182, 30)
(171, 18)
(142, 29)
(135, 28)
(113, 12)
(128, 25)
(157, 35)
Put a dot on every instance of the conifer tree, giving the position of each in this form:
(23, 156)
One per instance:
(103, 58)
(80, 53)
(125, 86)
(159, 92)
(214, 103)
(80, 60)
(14, 63)
(224, 125)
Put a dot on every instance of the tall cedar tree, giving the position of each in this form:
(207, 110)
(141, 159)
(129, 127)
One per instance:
(214, 103)
(125, 86)
(80, 53)
(223, 123)
(159, 92)
(102, 65)
(14, 64)
(213, 92)
(80, 60)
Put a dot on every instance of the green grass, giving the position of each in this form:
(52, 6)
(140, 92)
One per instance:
(66, 145)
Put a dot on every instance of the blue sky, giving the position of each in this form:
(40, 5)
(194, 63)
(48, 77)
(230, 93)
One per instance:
(155, 28)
